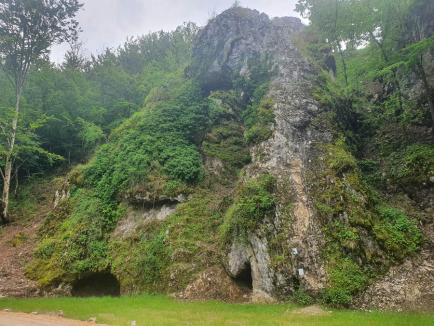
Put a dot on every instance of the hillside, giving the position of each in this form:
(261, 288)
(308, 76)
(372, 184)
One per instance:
(236, 165)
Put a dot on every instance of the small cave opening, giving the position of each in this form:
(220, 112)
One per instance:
(96, 285)
(244, 278)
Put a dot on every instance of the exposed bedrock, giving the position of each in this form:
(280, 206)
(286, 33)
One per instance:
(223, 50)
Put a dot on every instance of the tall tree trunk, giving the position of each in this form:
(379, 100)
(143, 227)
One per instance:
(9, 161)
(338, 43)
(344, 64)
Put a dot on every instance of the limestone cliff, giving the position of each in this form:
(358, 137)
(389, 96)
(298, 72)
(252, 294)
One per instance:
(228, 43)
(325, 229)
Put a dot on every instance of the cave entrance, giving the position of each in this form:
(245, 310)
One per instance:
(96, 285)
(244, 278)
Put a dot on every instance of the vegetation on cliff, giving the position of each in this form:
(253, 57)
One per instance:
(140, 130)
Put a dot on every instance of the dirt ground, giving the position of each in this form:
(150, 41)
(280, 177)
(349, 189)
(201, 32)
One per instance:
(17, 243)
(16, 247)
(21, 319)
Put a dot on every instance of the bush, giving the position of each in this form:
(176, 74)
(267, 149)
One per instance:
(413, 166)
(346, 278)
(301, 297)
(399, 234)
(226, 142)
(163, 134)
(254, 201)
(259, 118)
(339, 158)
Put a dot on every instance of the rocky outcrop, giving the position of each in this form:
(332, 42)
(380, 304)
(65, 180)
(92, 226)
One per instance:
(224, 49)
(137, 217)
(215, 284)
(144, 209)
(408, 286)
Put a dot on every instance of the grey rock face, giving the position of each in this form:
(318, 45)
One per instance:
(225, 45)
(137, 217)
(408, 286)
(223, 51)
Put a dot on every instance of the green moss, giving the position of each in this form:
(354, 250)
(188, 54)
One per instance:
(226, 142)
(253, 203)
(167, 256)
(75, 240)
(259, 119)
(351, 213)
(345, 279)
(398, 233)
(412, 166)
(339, 159)
(139, 264)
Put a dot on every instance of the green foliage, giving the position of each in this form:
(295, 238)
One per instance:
(152, 151)
(413, 166)
(259, 120)
(399, 234)
(253, 203)
(301, 297)
(140, 265)
(340, 159)
(226, 142)
(352, 212)
(76, 244)
(183, 245)
(257, 116)
(161, 138)
(35, 194)
(90, 134)
(347, 236)
(345, 279)
(82, 104)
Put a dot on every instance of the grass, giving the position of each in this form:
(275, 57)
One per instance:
(161, 310)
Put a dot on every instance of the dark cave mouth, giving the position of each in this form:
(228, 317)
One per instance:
(96, 285)
(244, 278)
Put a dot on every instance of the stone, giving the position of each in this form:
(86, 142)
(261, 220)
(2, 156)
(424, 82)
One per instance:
(261, 297)
(224, 49)
(215, 284)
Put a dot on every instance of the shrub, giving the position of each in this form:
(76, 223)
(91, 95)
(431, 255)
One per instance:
(301, 297)
(347, 236)
(226, 142)
(345, 279)
(413, 166)
(259, 118)
(339, 158)
(399, 234)
(254, 201)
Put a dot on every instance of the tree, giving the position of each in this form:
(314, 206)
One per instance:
(332, 21)
(74, 58)
(28, 28)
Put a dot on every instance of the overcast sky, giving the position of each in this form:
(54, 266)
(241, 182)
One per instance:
(107, 23)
